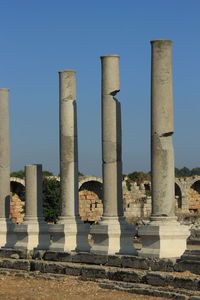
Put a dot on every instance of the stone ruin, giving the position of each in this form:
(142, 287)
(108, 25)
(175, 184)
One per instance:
(111, 235)
(136, 198)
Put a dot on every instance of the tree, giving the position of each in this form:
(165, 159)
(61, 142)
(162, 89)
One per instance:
(18, 174)
(21, 174)
(51, 199)
(139, 177)
(47, 173)
(195, 171)
(184, 172)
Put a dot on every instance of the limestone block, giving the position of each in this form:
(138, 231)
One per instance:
(33, 235)
(163, 239)
(71, 235)
(113, 236)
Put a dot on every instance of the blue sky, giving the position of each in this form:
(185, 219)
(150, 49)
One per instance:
(39, 38)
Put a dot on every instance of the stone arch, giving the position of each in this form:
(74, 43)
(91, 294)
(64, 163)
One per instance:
(90, 199)
(178, 195)
(191, 180)
(84, 179)
(196, 185)
(17, 180)
(147, 187)
(17, 202)
(194, 195)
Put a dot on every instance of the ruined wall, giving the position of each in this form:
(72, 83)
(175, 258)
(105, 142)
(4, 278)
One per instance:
(194, 201)
(137, 199)
(137, 202)
(90, 206)
(16, 209)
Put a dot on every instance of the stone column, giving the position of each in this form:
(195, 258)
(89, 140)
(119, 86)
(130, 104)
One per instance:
(68, 144)
(70, 233)
(162, 128)
(4, 156)
(5, 223)
(163, 228)
(112, 235)
(111, 138)
(33, 191)
(33, 232)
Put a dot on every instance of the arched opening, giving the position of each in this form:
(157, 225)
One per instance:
(90, 201)
(147, 187)
(178, 196)
(194, 198)
(17, 202)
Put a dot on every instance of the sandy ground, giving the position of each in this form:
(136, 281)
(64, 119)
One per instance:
(13, 287)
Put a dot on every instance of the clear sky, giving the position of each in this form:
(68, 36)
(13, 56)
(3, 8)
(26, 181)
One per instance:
(39, 38)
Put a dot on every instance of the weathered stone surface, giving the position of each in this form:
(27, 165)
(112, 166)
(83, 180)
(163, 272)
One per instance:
(7, 253)
(48, 267)
(135, 262)
(164, 265)
(114, 260)
(188, 265)
(93, 271)
(57, 256)
(73, 270)
(191, 255)
(16, 209)
(186, 283)
(126, 275)
(90, 206)
(144, 289)
(158, 279)
(15, 264)
(90, 258)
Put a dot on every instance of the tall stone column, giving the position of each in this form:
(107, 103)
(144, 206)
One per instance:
(111, 138)
(70, 233)
(5, 223)
(4, 155)
(33, 233)
(162, 128)
(112, 234)
(163, 229)
(68, 145)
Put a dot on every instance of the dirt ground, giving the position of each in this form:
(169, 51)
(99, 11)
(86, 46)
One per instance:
(71, 288)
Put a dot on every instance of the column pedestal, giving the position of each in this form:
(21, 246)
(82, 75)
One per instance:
(7, 235)
(113, 236)
(163, 238)
(70, 235)
(33, 233)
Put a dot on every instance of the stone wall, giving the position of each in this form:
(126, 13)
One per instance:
(137, 203)
(90, 206)
(16, 209)
(137, 199)
(194, 201)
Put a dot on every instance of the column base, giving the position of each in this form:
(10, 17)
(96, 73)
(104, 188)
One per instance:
(70, 234)
(163, 237)
(7, 236)
(113, 235)
(32, 235)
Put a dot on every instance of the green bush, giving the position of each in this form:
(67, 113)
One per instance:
(51, 199)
